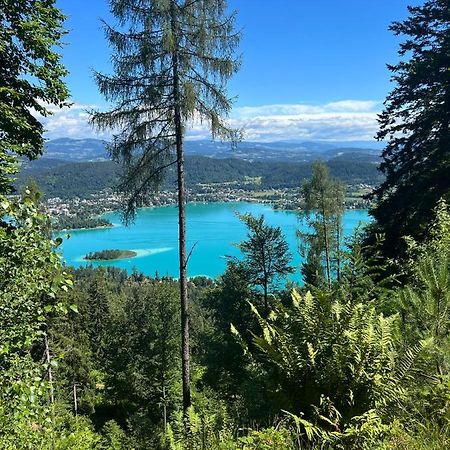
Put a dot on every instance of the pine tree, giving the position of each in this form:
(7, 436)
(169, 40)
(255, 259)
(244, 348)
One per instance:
(97, 311)
(416, 122)
(171, 61)
(266, 254)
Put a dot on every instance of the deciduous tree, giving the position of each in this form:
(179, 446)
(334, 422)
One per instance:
(31, 79)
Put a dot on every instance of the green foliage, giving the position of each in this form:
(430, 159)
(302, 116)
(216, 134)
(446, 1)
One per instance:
(32, 279)
(121, 350)
(31, 275)
(105, 255)
(322, 245)
(186, 49)
(312, 270)
(326, 372)
(114, 438)
(266, 254)
(83, 179)
(200, 437)
(319, 355)
(31, 76)
(30, 271)
(62, 433)
(423, 435)
(424, 305)
(416, 123)
(80, 222)
(225, 365)
(268, 439)
(145, 382)
(361, 433)
(208, 429)
(364, 276)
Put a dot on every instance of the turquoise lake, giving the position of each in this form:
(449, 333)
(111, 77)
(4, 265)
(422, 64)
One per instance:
(213, 227)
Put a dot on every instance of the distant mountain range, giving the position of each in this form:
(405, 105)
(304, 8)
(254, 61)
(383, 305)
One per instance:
(83, 179)
(81, 167)
(80, 150)
(73, 150)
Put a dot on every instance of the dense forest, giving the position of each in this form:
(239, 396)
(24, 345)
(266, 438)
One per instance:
(86, 178)
(104, 255)
(78, 222)
(355, 357)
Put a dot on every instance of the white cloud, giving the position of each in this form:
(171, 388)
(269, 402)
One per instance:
(345, 120)
(306, 109)
(352, 105)
(341, 126)
(71, 122)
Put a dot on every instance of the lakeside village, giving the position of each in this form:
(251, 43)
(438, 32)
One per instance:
(79, 213)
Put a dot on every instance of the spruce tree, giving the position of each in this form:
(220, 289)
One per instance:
(415, 121)
(266, 254)
(171, 60)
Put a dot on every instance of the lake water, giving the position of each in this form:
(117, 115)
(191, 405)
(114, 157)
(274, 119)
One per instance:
(212, 227)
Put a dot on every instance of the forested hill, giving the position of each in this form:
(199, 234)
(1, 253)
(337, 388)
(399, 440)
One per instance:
(79, 150)
(80, 167)
(85, 178)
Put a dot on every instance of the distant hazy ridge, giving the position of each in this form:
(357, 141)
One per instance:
(80, 167)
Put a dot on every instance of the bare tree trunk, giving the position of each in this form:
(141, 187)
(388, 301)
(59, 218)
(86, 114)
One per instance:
(338, 247)
(185, 353)
(49, 370)
(163, 374)
(164, 409)
(75, 399)
(183, 274)
(266, 302)
(327, 250)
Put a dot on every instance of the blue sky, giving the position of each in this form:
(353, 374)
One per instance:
(311, 69)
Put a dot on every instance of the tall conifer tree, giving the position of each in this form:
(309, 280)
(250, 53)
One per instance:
(324, 206)
(171, 61)
(416, 122)
(266, 254)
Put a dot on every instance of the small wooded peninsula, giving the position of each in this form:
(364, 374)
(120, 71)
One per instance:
(109, 255)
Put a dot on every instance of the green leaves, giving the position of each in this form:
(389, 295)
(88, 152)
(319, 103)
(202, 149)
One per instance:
(31, 76)
(31, 277)
(343, 351)
(322, 244)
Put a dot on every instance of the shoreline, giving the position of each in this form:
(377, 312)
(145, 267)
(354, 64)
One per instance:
(114, 211)
(153, 234)
(100, 227)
